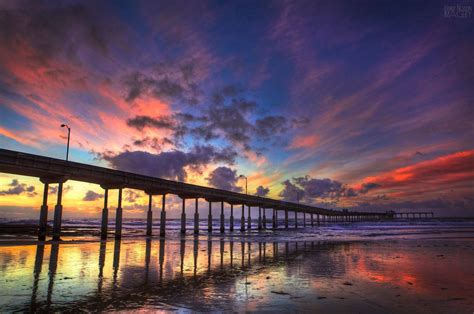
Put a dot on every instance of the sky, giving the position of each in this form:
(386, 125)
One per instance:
(340, 104)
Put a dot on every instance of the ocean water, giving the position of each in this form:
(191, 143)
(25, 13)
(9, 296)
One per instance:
(74, 229)
(422, 266)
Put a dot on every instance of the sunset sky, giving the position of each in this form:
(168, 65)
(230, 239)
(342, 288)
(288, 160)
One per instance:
(362, 105)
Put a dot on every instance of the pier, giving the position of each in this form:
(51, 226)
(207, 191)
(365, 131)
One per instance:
(55, 171)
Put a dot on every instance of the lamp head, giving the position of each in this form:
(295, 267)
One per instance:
(63, 125)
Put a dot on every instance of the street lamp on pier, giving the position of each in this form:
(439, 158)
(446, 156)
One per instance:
(68, 138)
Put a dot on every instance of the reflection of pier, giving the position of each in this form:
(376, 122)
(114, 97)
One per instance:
(194, 266)
(55, 171)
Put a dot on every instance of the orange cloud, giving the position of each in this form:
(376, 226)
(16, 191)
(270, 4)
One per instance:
(454, 170)
(304, 141)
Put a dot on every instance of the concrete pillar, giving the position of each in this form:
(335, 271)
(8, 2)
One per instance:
(118, 216)
(318, 219)
(296, 219)
(196, 217)
(222, 218)
(312, 220)
(183, 217)
(242, 219)
(304, 220)
(259, 223)
(286, 218)
(149, 217)
(249, 220)
(163, 217)
(105, 216)
(43, 219)
(264, 219)
(231, 227)
(209, 218)
(58, 214)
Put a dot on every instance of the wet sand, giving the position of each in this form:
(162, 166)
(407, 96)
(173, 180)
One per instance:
(372, 276)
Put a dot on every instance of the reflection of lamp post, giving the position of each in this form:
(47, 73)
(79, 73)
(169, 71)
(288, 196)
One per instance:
(68, 137)
(246, 181)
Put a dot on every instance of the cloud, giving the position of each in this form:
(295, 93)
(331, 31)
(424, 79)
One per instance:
(291, 192)
(261, 191)
(131, 196)
(224, 178)
(140, 122)
(92, 196)
(270, 126)
(442, 174)
(324, 188)
(461, 206)
(366, 187)
(170, 80)
(310, 189)
(17, 188)
(54, 189)
(304, 141)
(170, 164)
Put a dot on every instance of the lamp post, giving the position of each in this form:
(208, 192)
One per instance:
(68, 137)
(246, 181)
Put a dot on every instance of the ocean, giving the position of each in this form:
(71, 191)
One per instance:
(418, 266)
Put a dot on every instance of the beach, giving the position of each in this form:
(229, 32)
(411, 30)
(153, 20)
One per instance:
(404, 267)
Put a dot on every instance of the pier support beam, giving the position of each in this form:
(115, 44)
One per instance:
(274, 220)
(259, 223)
(242, 219)
(105, 216)
(209, 218)
(183, 217)
(296, 219)
(222, 218)
(149, 217)
(312, 220)
(58, 214)
(264, 219)
(249, 220)
(318, 219)
(163, 217)
(231, 227)
(286, 218)
(196, 217)
(304, 220)
(43, 219)
(118, 216)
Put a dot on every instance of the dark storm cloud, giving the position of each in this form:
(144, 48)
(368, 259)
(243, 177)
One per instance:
(366, 187)
(17, 188)
(261, 191)
(224, 178)
(170, 165)
(92, 196)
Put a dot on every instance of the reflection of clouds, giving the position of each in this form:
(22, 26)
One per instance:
(118, 274)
